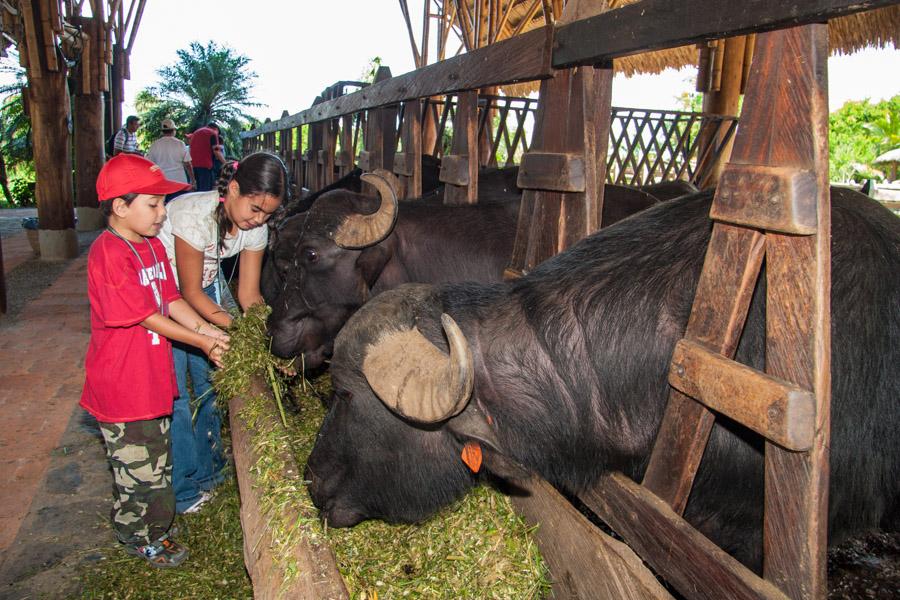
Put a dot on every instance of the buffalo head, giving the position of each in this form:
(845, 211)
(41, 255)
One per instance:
(401, 413)
(325, 260)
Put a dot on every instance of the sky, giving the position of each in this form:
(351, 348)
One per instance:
(299, 47)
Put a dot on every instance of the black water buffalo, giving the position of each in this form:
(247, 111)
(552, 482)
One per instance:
(324, 279)
(564, 373)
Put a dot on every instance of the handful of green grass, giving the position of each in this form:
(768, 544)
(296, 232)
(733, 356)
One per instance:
(477, 548)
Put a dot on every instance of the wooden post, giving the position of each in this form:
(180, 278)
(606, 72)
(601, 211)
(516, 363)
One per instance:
(408, 163)
(459, 169)
(117, 87)
(381, 133)
(724, 99)
(344, 159)
(48, 103)
(88, 125)
(563, 173)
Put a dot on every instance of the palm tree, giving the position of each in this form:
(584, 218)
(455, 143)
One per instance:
(15, 128)
(206, 83)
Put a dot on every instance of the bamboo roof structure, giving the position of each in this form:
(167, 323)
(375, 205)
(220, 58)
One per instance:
(476, 23)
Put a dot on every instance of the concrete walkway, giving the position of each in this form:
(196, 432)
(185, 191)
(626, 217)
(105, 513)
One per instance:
(54, 484)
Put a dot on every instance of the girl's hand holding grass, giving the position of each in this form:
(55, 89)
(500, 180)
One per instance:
(212, 331)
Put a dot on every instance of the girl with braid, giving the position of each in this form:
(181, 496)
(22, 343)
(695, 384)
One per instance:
(202, 229)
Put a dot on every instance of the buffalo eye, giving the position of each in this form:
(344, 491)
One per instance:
(310, 255)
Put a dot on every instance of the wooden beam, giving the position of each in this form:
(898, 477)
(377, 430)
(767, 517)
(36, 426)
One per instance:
(658, 24)
(730, 270)
(584, 563)
(417, 57)
(776, 409)
(524, 58)
(772, 198)
(679, 553)
(553, 171)
(134, 27)
(465, 148)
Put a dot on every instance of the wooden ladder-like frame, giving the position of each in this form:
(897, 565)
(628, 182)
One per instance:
(773, 201)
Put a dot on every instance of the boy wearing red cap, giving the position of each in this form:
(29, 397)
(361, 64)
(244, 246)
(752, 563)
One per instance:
(130, 381)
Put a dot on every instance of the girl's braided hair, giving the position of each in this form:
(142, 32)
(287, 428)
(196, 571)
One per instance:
(260, 173)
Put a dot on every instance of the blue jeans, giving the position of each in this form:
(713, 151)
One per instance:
(198, 463)
(205, 178)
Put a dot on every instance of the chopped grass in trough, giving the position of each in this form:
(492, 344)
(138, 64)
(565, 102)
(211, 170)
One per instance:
(477, 548)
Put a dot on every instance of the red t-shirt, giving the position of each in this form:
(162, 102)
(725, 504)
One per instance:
(202, 142)
(129, 371)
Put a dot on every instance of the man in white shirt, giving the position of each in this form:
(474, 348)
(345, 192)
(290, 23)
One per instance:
(173, 157)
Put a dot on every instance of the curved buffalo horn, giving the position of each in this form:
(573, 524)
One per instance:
(392, 179)
(417, 380)
(359, 231)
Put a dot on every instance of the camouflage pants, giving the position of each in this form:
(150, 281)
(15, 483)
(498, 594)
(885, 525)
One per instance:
(139, 454)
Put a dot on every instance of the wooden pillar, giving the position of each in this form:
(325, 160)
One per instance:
(344, 159)
(381, 134)
(117, 87)
(88, 126)
(563, 173)
(459, 169)
(49, 103)
(723, 94)
(408, 163)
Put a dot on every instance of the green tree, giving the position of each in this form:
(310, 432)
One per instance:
(858, 132)
(206, 83)
(16, 166)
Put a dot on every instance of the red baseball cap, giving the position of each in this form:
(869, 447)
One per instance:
(133, 174)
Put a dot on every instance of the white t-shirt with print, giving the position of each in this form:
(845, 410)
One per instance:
(191, 217)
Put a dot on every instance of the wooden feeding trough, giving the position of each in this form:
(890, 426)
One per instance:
(772, 199)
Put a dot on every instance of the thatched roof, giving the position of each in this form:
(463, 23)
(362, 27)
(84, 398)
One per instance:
(878, 28)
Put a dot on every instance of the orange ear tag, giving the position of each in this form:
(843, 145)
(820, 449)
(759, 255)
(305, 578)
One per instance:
(471, 455)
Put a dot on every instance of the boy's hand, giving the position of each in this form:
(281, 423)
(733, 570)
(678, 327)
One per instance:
(215, 350)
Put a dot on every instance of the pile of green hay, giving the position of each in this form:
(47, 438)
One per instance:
(477, 548)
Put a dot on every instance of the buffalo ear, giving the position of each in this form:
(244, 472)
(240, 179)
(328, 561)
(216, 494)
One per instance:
(471, 426)
(371, 262)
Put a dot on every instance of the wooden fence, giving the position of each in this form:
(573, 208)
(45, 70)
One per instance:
(645, 146)
(781, 146)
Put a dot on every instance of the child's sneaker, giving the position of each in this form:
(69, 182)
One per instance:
(196, 506)
(162, 553)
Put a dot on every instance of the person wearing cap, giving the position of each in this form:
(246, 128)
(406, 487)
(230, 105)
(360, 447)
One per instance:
(203, 229)
(130, 383)
(126, 139)
(173, 156)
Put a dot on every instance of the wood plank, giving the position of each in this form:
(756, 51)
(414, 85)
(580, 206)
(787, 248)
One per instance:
(771, 198)
(776, 409)
(523, 58)
(798, 311)
(455, 169)
(679, 553)
(658, 24)
(583, 561)
(465, 144)
(554, 171)
(316, 575)
(730, 270)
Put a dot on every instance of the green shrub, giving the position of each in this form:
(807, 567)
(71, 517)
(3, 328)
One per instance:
(22, 189)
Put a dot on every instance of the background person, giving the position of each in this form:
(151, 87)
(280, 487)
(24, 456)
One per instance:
(204, 150)
(135, 309)
(203, 228)
(126, 138)
(173, 156)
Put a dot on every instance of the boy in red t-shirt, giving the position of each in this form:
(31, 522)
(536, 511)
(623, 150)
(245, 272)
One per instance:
(130, 379)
